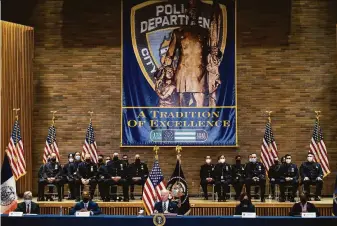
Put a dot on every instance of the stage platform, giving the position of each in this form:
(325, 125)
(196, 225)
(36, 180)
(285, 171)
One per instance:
(198, 207)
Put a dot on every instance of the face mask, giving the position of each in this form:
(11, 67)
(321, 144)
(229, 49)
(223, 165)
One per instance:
(71, 160)
(222, 161)
(100, 160)
(85, 199)
(27, 201)
(250, 159)
(245, 202)
(208, 161)
(87, 160)
(77, 157)
(310, 159)
(115, 158)
(276, 161)
(238, 161)
(288, 161)
(137, 161)
(53, 159)
(106, 161)
(253, 160)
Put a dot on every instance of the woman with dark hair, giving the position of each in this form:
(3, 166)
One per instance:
(245, 205)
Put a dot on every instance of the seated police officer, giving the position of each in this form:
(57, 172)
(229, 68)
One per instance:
(274, 176)
(69, 179)
(138, 173)
(238, 176)
(42, 180)
(87, 175)
(255, 175)
(118, 176)
(312, 174)
(52, 174)
(207, 175)
(102, 179)
(223, 178)
(288, 177)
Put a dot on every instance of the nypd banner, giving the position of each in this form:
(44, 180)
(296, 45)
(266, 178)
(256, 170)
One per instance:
(179, 73)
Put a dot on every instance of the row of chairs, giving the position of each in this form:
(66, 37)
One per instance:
(231, 193)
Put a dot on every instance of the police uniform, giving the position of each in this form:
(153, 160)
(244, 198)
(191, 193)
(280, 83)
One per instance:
(69, 179)
(86, 171)
(102, 179)
(312, 170)
(40, 180)
(255, 170)
(223, 177)
(51, 169)
(288, 170)
(116, 168)
(238, 178)
(274, 173)
(206, 171)
(137, 170)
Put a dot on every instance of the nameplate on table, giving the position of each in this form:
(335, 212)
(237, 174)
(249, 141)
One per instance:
(15, 214)
(82, 214)
(248, 215)
(308, 215)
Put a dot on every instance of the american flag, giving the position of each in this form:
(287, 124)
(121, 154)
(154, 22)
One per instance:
(89, 146)
(15, 152)
(152, 188)
(318, 149)
(51, 145)
(268, 147)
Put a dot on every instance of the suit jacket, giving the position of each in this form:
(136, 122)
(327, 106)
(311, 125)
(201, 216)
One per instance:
(239, 209)
(297, 209)
(172, 207)
(92, 206)
(33, 209)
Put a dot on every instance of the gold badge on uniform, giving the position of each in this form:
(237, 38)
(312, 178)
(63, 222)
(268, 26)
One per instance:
(159, 219)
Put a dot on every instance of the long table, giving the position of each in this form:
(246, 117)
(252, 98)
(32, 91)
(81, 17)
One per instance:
(101, 220)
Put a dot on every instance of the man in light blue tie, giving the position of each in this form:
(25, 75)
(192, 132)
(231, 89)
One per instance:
(165, 206)
(86, 205)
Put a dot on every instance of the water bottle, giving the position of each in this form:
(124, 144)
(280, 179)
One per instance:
(61, 211)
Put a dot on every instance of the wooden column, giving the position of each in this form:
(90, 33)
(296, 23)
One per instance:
(16, 87)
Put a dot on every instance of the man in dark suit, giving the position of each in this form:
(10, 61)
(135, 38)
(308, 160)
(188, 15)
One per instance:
(68, 178)
(274, 175)
(223, 178)
(303, 207)
(238, 176)
(312, 174)
(27, 206)
(102, 179)
(86, 205)
(118, 176)
(255, 175)
(207, 175)
(165, 205)
(138, 173)
(87, 173)
(334, 204)
(289, 177)
(52, 174)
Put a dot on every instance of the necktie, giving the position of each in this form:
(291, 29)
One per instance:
(164, 208)
(86, 205)
(27, 209)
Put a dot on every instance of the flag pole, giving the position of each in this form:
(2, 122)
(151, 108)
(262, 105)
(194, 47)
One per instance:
(16, 119)
(91, 113)
(318, 115)
(52, 134)
(156, 149)
(178, 150)
(269, 116)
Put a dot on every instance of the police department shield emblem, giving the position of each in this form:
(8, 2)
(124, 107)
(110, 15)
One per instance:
(152, 24)
(7, 195)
